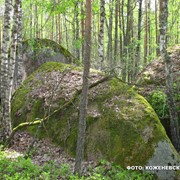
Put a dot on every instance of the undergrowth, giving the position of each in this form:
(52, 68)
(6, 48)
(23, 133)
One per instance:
(24, 169)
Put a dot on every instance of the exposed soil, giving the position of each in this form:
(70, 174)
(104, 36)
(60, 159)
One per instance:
(43, 151)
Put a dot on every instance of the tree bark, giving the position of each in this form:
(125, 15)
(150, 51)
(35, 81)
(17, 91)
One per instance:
(77, 28)
(101, 35)
(13, 53)
(59, 26)
(19, 58)
(127, 38)
(31, 20)
(82, 27)
(110, 27)
(174, 125)
(156, 26)
(146, 34)
(84, 95)
(138, 47)
(5, 120)
(121, 33)
(116, 33)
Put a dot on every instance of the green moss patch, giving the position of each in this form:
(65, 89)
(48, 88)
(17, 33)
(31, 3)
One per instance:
(121, 125)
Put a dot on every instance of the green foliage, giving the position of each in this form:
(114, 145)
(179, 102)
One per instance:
(20, 169)
(107, 171)
(158, 101)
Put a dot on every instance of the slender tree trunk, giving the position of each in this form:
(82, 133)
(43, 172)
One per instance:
(19, 58)
(59, 26)
(174, 125)
(52, 28)
(130, 55)
(123, 20)
(41, 35)
(177, 34)
(156, 26)
(138, 47)
(36, 22)
(149, 29)
(13, 46)
(0, 35)
(77, 49)
(121, 33)
(101, 35)
(126, 42)
(84, 95)
(31, 21)
(5, 120)
(82, 27)
(110, 27)
(116, 33)
(146, 35)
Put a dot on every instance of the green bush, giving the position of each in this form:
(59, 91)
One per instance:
(158, 101)
(24, 169)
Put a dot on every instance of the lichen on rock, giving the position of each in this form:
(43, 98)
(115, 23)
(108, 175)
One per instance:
(121, 125)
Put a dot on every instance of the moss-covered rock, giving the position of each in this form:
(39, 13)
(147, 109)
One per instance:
(154, 73)
(121, 126)
(152, 82)
(39, 51)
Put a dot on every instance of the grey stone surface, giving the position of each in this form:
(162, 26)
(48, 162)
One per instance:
(164, 155)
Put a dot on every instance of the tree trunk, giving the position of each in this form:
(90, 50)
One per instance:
(116, 33)
(146, 35)
(31, 21)
(0, 35)
(130, 54)
(77, 49)
(156, 26)
(84, 95)
(168, 73)
(59, 26)
(36, 22)
(5, 120)
(149, 29)
(13, 46)
(82, 27)
(121, 33)
(19, 58)
(138, 47)
(126, 42)
(109, 50)
(101, 35)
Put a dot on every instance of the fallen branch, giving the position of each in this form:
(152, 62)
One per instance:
(67, 104)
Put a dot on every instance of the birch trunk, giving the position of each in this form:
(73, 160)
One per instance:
(5, 121)
(19, 45)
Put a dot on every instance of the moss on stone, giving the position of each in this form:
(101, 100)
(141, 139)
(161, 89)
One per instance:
(122, 126)
(39, 44)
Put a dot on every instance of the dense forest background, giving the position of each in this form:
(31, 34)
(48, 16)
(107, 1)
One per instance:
(125, 33)
(118, 37)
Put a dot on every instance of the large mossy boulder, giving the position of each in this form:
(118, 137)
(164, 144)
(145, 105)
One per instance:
(121, 126)
(39, 51)
(152, 86)
(154, 73)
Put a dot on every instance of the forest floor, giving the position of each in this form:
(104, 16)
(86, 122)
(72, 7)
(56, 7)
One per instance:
(43, 151)
(47, 161)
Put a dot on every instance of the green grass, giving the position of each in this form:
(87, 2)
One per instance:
(24, 169)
